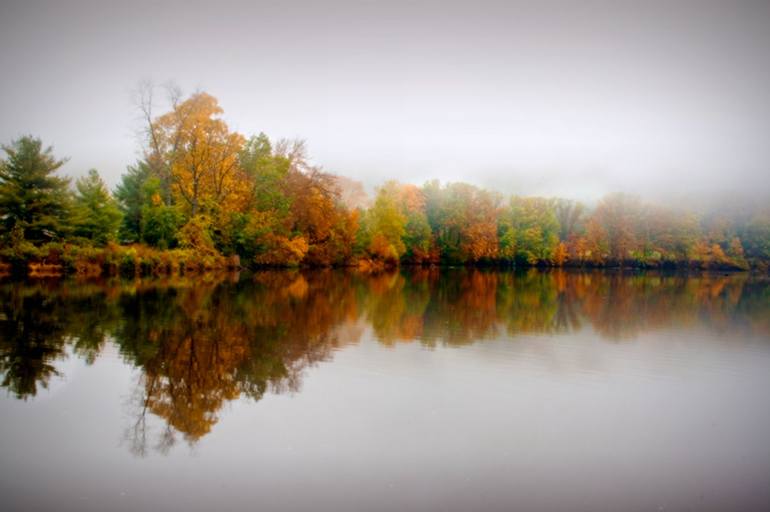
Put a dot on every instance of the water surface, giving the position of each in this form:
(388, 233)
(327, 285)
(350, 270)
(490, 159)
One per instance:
(452, 390)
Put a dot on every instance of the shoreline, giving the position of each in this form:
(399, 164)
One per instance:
(144, 262)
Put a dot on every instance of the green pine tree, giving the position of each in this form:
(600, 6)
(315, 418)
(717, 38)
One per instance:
(96, 214)
(32, 198)
(131, 198)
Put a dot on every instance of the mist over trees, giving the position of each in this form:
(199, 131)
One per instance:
(204, 196)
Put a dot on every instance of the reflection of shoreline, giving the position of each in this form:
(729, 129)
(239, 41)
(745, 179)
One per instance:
(203, 342)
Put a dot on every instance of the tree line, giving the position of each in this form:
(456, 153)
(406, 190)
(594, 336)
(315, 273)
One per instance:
(204, 196)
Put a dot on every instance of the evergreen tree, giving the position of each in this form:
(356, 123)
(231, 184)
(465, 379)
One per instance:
(131, 199)
(32, 198)
(96, 214)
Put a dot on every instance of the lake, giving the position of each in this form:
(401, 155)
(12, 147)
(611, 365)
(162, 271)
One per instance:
(422, 389)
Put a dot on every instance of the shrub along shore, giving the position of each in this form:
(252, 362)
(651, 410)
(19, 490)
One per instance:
(204, 198)
(54, 260)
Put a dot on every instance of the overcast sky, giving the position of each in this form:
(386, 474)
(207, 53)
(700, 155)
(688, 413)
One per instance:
(573, 99)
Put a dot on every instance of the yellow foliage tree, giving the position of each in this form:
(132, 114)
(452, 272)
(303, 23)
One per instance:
(192, 148)
(560, 254)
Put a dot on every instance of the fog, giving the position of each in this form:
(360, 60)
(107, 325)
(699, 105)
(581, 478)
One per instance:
(668, 100)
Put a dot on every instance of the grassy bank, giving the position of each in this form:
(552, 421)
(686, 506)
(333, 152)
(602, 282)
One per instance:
(53, 260)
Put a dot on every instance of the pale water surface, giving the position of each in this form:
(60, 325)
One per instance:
(417, 390)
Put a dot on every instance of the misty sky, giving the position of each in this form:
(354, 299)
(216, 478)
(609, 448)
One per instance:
(573, 99)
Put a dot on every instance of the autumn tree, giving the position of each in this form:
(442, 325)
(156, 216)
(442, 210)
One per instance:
(33, 200)
(192, 149)
(670, 235)
(262, 232)
(417, 234)
(386, 223)
(295, 212)
(535, 228)
(610, 229)
(313, 203)
(560, 254)
(569, 214)
(316, 212)
(463, 220)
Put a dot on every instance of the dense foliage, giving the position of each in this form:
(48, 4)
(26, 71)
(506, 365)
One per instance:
(217, 198)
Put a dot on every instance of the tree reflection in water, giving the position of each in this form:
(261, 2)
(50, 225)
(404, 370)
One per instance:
(203, 342)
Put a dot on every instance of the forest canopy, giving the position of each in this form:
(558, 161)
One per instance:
(203, 196)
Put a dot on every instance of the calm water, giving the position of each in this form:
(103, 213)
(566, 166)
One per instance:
(419, 390)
